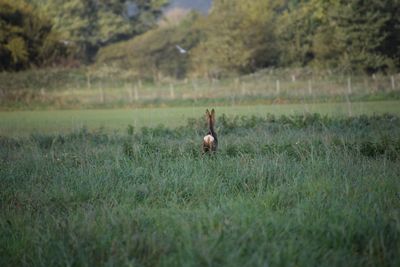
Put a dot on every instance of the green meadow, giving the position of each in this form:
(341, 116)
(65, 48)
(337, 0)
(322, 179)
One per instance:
(291, 185)
(102, 123)
(23, 123)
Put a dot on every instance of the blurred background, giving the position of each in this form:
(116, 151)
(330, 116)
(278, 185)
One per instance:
(136, 53)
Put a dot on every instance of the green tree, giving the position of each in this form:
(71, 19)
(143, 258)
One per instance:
(23, 32)
(370, 34)
(326, 45)
(91, 24)
(296, 28)
(154, 55)
(350, 35)
(239, 37)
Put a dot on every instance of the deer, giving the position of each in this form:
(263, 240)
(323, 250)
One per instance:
(210, 141)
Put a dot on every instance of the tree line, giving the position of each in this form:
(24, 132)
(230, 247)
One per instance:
(244, 36)
(56, 32)
(235, 37)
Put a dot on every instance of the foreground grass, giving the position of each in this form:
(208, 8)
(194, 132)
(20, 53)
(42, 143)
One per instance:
(19, 123)
(293, 190)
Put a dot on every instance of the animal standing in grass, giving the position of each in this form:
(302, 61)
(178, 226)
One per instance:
(210, 141)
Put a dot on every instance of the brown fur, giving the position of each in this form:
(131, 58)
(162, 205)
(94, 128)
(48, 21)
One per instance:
(210, 145)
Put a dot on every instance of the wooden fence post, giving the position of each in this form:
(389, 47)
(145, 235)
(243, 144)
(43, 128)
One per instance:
(243, 88)
(278, 87)
(136, 93)
(42, 94)
(171, 91)
(392, 81)
(88, 81)
(349, 91)
(236, 83)
(102, 95)
(129, 89)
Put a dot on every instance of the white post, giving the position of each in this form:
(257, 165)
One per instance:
(278, 87)
(349, 108)
(42, 93)
(349, 85)
(101, 95)
(171, 91)
(136, 93)
(89, 84)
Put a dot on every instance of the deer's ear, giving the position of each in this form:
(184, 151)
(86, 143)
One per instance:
(208, 116)
(213, 115)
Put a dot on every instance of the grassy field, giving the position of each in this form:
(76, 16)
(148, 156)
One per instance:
(298, 190)
(17, 123)
(106, 88)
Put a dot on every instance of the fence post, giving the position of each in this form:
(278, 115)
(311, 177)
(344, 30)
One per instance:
(243, 88)
(393, 82)
(236, 83)
(171, 91)
(278, 87)
(309, 87)
(233, 100)
(101, 94)
(88, 81)
(136, 93)
(349, 107)
(349, 85)
(42, 94)
(129, 89)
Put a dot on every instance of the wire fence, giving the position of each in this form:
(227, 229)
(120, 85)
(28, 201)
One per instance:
(114, 91)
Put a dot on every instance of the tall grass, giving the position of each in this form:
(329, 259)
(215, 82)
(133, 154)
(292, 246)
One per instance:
(306, 190)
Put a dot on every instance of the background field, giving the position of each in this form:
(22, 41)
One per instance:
(89, 88)
(22, 123)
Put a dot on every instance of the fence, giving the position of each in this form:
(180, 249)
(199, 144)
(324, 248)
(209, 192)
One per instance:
(255, 86)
